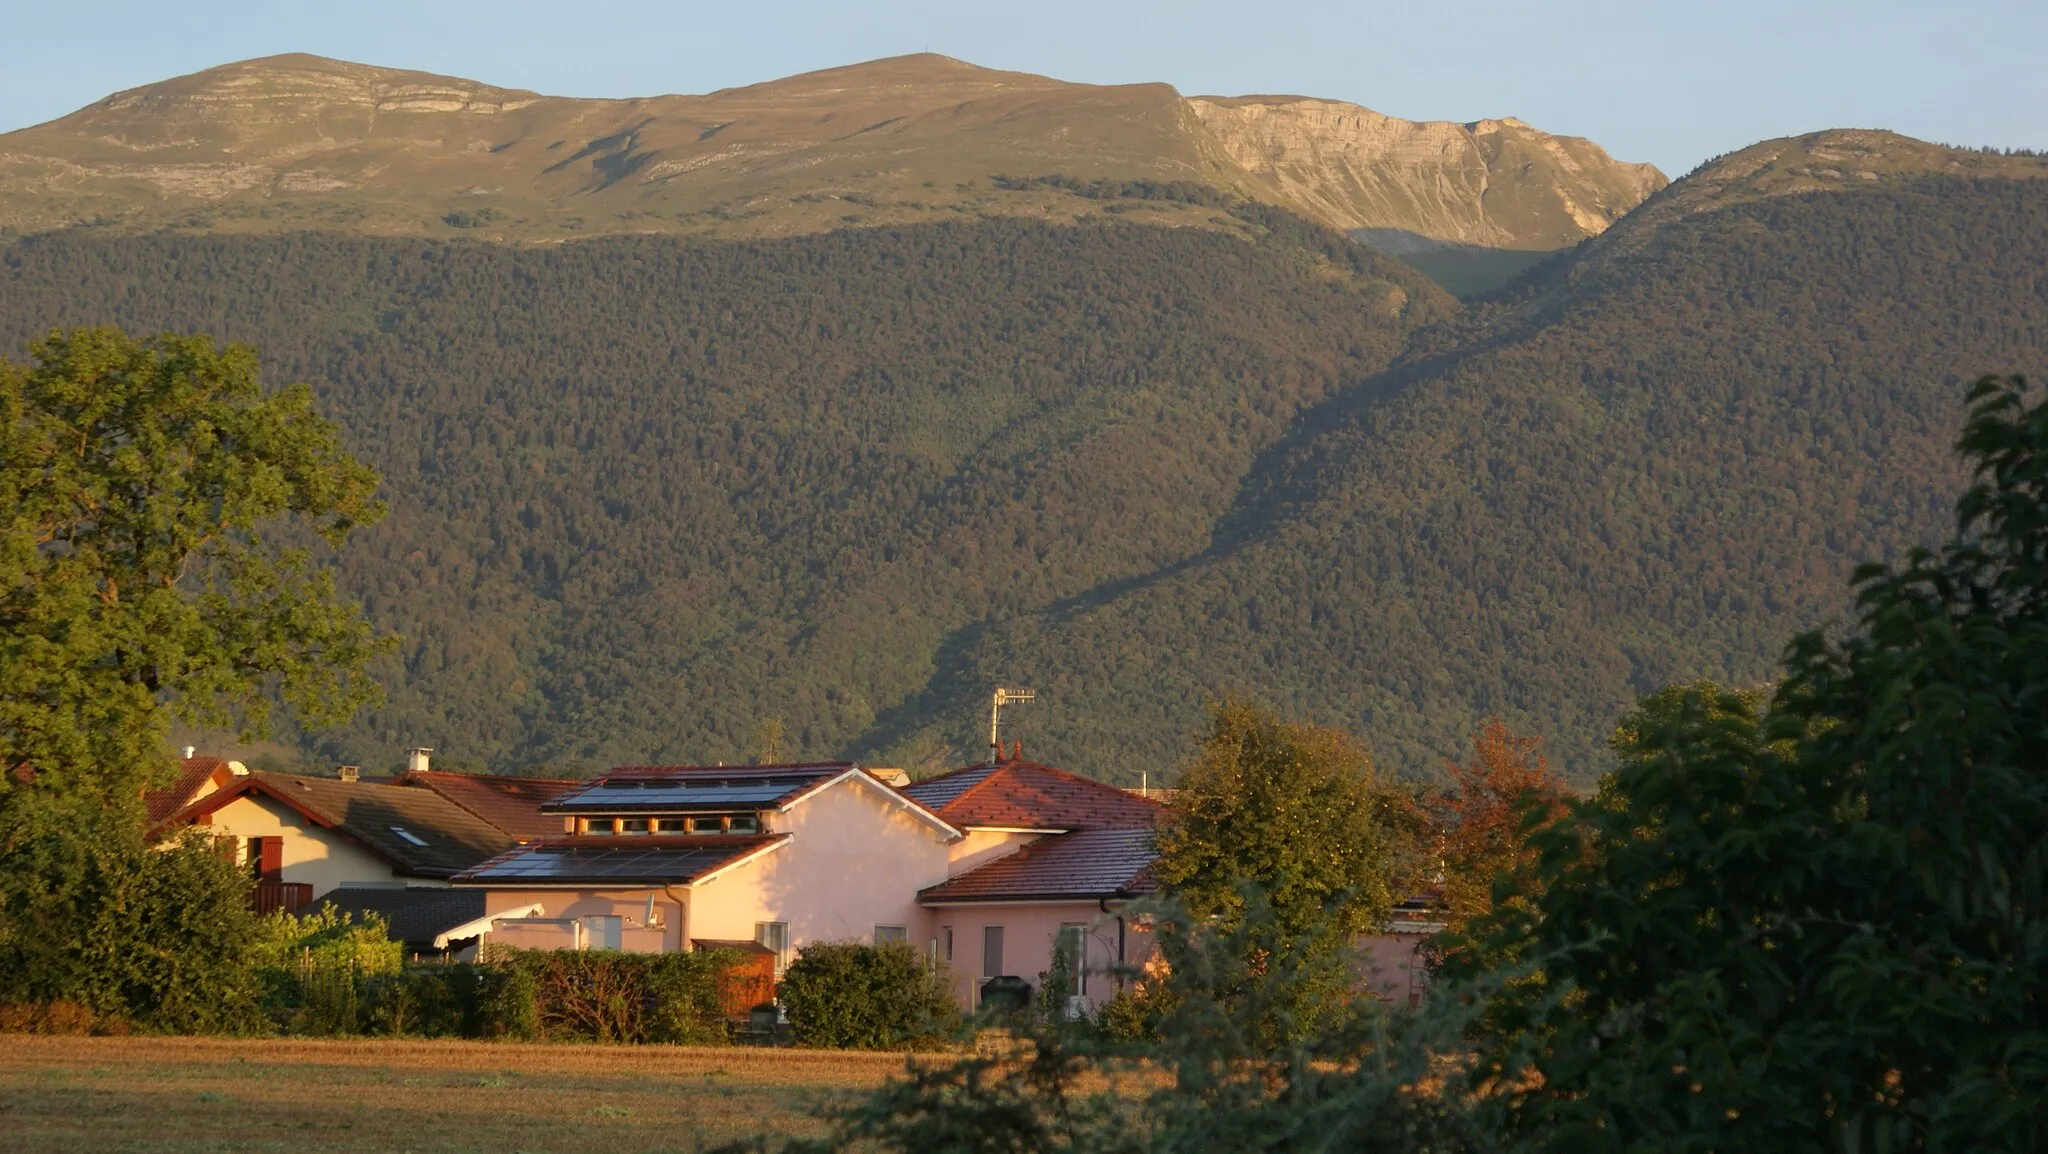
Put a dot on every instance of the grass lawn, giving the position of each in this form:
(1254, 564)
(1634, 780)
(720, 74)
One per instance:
(192, 1094)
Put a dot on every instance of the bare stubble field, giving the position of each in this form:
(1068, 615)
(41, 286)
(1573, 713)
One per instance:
(193, 1094)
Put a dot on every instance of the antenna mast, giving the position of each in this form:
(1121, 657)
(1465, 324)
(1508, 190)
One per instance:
(995, 716)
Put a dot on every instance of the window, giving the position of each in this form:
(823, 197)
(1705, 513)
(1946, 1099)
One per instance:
(707, 825)
(266, 858)
(671, 825)
(947, 935)
(597, 825)
(632, 825)
(1073, 940)
(746, 823)
(601, 931)
(409, 837)
(774, 935)
(891, 935)
(991, 951)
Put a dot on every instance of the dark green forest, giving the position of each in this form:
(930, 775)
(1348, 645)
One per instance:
(1655, 463)
(646, 494)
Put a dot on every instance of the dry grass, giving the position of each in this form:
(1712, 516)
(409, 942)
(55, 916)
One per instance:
(190, 1094)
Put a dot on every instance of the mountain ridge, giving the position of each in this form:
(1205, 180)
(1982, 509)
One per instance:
(298, 141)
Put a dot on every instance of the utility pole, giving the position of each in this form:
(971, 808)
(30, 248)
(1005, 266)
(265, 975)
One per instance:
(995, 716)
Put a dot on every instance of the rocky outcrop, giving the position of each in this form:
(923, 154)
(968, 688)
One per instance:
(1494, 183)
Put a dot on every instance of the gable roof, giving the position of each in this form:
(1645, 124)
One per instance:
(445, 838)
(511, 804)
(415, 916)
(1091, 865)
(618, 861)
(193, 773)
(1026, 795)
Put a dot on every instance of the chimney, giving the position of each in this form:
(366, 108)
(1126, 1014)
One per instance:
(349, 772)
(190, 752)
(238, 769)
(416, 759)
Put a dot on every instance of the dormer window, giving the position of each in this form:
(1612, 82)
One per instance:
(633, 825)
(707, 825)
(597, 826)
(745, 823)
(671, 825)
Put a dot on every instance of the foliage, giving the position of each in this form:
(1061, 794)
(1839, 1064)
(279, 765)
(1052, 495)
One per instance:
(608, 996)
(1821, 925)
(1290, 808)
(650, 492)
(317, 969)
(1657, 468)
(1365, 1077)
(139, 578)
(158, 936)
(850, 995)
(1494, 804)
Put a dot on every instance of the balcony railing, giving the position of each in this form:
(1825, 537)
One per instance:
(280, 897)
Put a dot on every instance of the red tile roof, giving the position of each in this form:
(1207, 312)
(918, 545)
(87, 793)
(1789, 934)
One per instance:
(512, 804)
(1027, 795)
(1092, 865)
(193, 772)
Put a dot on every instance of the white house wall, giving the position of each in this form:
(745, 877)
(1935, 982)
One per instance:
(320, 857)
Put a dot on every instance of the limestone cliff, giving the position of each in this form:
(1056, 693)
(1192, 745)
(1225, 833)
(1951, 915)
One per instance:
(1495, 183)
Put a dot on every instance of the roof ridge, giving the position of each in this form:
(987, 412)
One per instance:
(995, 770)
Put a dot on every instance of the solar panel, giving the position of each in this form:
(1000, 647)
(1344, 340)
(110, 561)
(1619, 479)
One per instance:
(682, 795)
(613, 863)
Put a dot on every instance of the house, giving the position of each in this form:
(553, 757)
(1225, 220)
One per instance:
(1046, 859)
(305, 837)
(196, 777)
(660, 858)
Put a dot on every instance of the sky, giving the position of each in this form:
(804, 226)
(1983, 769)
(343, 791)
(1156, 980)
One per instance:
(1669, 83)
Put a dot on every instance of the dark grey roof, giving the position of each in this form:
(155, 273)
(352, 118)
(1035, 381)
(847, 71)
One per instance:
(416, 916)
(421, 833)
(613, 860)
(938, 792)
(694, 788)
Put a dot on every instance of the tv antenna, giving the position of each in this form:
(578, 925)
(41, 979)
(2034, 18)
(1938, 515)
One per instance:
(995, 716)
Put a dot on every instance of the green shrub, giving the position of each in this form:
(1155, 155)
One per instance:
(848, 995)
(605, 996)
(92, 915)
(316, 970)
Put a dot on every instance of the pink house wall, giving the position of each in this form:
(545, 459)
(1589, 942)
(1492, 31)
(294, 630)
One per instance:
(855, 860)
(1029, 933)
(1392, 965)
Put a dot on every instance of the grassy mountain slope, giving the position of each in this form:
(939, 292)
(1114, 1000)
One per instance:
(646, 494)
(294, 142)
(1657, 463)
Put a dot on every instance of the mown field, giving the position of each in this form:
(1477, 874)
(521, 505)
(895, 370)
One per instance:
(193, 1094)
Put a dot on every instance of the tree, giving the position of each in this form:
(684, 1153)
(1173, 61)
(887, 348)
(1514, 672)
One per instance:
(1291, 809)
(1496, 801)
(152, 492)
(1821, 924)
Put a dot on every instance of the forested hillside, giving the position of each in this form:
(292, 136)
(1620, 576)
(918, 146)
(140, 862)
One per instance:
(647, 494)
(1657, 463)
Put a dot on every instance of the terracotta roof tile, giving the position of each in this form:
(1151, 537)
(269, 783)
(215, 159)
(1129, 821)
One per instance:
(193, 772)
(511, 804)
(1027, 795)
(1091, 865)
